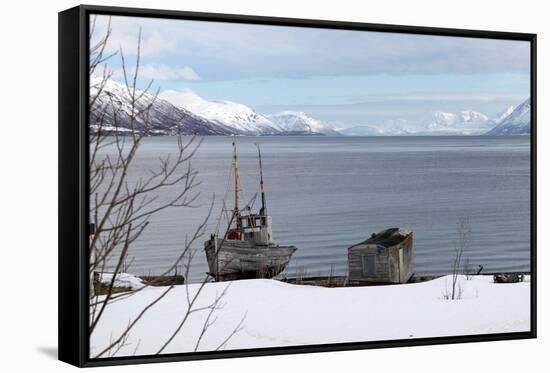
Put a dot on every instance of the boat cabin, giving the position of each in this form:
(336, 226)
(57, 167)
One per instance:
(386, 257)
(257, 229)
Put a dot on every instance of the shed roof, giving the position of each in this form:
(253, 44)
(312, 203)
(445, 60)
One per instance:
(387, 238)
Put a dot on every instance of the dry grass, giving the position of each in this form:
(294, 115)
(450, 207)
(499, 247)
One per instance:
(101, 288)
(163, 280)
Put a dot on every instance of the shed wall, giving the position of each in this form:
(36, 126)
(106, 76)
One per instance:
(355, 263)
(389, 267)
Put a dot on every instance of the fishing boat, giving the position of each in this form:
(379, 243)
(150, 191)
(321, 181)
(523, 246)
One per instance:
(246, 250)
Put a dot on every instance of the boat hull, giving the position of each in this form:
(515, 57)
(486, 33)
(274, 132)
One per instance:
(236, 260)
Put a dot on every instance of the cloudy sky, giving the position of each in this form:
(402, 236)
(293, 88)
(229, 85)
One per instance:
(342, 77)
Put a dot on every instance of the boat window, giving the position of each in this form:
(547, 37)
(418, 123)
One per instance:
(368, 265)
(245, 221)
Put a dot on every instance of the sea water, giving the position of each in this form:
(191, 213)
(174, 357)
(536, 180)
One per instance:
(328, 193)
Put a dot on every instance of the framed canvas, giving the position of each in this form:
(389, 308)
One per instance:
(236, 185)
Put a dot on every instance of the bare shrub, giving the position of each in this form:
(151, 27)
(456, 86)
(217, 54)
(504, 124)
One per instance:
(468, 270)
(121, 209)
(462, 240)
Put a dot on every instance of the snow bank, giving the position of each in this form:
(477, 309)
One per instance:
(122, 280)
(281, 314)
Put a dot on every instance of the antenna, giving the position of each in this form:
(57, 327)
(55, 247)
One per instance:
(263, 210)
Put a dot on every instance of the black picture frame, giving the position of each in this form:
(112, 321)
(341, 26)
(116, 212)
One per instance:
(73, 183)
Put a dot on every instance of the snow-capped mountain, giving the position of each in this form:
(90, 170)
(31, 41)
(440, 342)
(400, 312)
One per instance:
(112, 109)
(186, 112)
(466, 122)
(473, 117)
(440, 119)
(504, 114)
(518, 122)
(299, 123)
(235, 117)
(393, 127)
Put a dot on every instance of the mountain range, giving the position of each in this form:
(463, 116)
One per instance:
(186, 112)
(299, 123)
(512, 121)
(112, 108)
(234, 117)
(518, 122)
(243, 120)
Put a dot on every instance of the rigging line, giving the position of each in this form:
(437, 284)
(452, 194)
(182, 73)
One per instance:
(250, 202)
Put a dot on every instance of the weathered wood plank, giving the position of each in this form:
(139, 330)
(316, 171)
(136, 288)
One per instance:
(241, 259)
(389, 266)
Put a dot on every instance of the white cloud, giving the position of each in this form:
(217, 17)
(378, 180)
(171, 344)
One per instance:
(435, 97)
(125, 35)
(189, 74)
(154, 43)
(243, 51)
(162, 72)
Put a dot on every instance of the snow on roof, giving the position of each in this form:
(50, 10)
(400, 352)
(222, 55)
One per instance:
(387, 238)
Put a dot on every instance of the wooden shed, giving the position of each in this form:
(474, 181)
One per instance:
(386, 257)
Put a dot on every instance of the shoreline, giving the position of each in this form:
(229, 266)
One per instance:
(129, 282)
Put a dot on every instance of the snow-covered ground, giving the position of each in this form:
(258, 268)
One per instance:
(122, 280)
(281, 314)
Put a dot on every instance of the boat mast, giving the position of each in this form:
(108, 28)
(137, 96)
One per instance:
(263, 211)
(237, 212)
